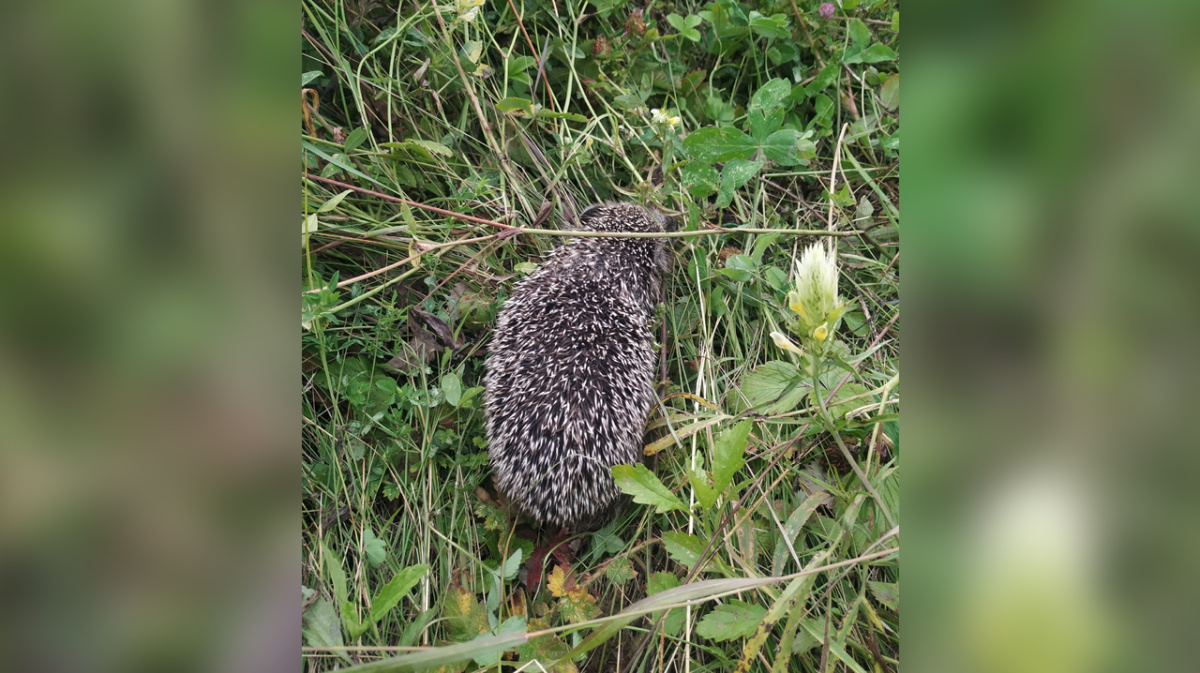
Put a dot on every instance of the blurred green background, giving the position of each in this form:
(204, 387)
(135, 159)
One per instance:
(148, 425)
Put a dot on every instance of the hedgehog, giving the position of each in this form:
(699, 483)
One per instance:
(570, 369)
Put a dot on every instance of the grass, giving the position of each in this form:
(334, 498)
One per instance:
(441, 157)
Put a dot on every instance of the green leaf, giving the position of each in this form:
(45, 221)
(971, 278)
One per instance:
(859, 34)
(889, 93)
(713, 144)
(729, 450)
(774, 387)
(789, 147)
(685, 549)
(374, 548)
(515, 106)
(771, 95)
(337, 577)
(512, 565)
(452, 388)
(839, 406)
(356, 138)
(328, 206)
(706, 495)
(804, 636)
(699, 179)
(516, 67)
(775, 25)
(391, 593)
(657, 583)
(645, 488)
(569, 116)
(308, 77)
(761, 124)
(876, 53)
(739, 268)
(321, 627)
(827, 76)
(686, 27)
(887, 593)
(735, 619)
(736, 173)
(429, 146)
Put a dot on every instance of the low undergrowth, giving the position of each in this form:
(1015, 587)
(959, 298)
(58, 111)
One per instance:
(764, 533)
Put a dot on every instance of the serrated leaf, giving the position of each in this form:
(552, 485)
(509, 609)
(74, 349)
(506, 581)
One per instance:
(729, 450)
(374, 548)
(789, 147)
(699, 178)
(887, 593)
(713, 144)
(512, 565)
(774, 387)
(771, 95)
(556, 582)
(736, 173)
(685, 549)
(399, 586)
(332, 203)
(578, 605)
(620, 570)
(889, 93)
(645, 488)
(735, 619)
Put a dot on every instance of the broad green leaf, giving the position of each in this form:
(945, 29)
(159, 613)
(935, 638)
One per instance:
(875, 53)
(736, 173)
(775, 25)
(827, 76)
(308, 77)
(685, 549)
(762, 124)
(771, 95)
(645, 488)
(321, 627)
(332, 203)
(735, 619)
(512, 565)
(452, 388)
(889, 93)
(887, 593)
(699, 178)
(729, 449)
(739, 268)
(841, 404)
(804, 636)
(713, 144)
(517, 66)
(399, 586)
(789, 147)
(486, 656)
(337, 577)
(774, 387)
(374, 548)
(859, 34)
(706, 495)
(356, 138)
(791, 528)
(471, 49)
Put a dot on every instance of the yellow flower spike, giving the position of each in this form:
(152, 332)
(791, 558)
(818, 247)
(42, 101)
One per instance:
(821, 332)
(785, 343)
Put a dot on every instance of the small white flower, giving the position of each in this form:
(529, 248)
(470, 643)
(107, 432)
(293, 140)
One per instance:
(658, 117)
(785, 343)
(815, 300)
(675, 121)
